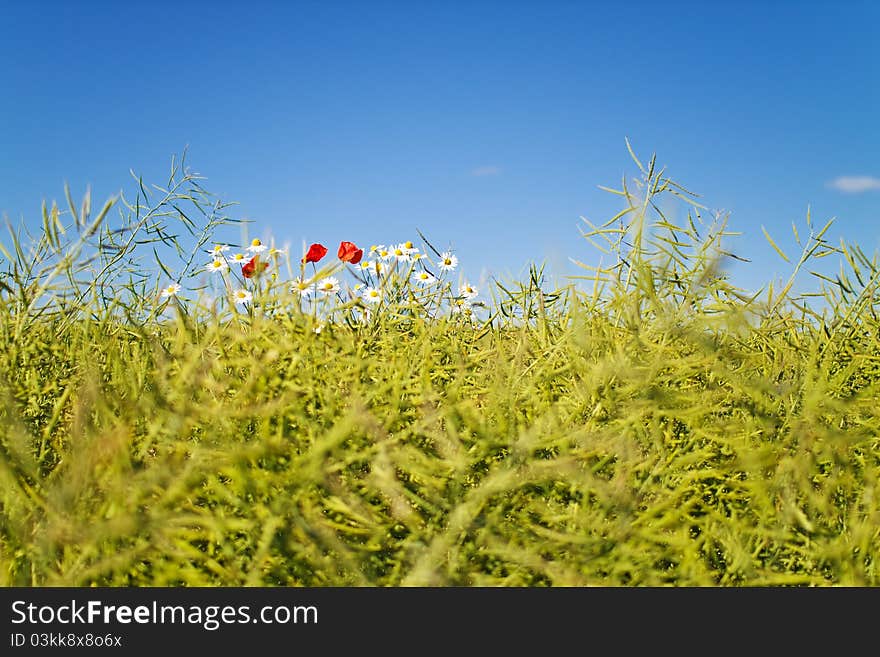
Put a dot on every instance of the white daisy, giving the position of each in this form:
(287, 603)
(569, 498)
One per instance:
(218, 250)
(256, 246)
(171, 290)
(329, 285)
(217, 265)
(238, 258)
(424, 277)
(241, 296)
(303, 287)
(460, 306)
(400, 253)
(468, 291)
(371, 295)
(447, 261)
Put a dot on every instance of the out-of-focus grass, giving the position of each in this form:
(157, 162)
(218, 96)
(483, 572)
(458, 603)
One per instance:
(655, 427)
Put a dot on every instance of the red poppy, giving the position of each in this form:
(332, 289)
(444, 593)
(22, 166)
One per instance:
(348, 252)
(315, 253)
(249, 268)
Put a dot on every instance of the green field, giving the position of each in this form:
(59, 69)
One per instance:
(649, 424)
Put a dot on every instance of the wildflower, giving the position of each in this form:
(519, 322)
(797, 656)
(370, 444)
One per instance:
(241, 296)
(460, 306)
(277, 252)
(372, 295)
(348, 252)
(218, 250)
(424, 277)
(400, 252)
(329, 285)
(238, 259)
(217, 265)
(256, 246)
(373, 265)
(384, 253)
(253, 266)
(377, 247)
(448, 262)
(315, 253)
(467, 290)
(171, 290)
(302, 287)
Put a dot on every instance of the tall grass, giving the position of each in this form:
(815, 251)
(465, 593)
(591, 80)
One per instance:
(651, 425)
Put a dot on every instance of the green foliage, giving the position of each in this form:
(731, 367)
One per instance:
(660, 427)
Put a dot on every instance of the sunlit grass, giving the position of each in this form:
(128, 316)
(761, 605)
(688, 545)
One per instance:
(651, 425)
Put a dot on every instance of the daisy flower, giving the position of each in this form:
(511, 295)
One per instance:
(460, 306)
(467, 290)
(277, 252)
(329, 285)
(238, 258)
(376, 266)
(371, 295)
(447, 262)
(217, 265)
(376, 248)
(241, 296)
(400, 253)
(171, 290)
(218, 250)
(424, 277)
(256, 246)
(384, 253)
(302, 287)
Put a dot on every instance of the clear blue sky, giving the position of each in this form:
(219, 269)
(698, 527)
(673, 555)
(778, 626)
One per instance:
(487, 125)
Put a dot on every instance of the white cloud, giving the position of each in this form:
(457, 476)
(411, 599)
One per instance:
(855, 184)
(486, 171)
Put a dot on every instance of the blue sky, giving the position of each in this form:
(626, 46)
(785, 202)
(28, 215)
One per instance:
(486, 125)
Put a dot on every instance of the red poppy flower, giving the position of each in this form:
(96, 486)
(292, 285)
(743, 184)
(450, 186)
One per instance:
(249, 268)
(315, 253)
(348, 252)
